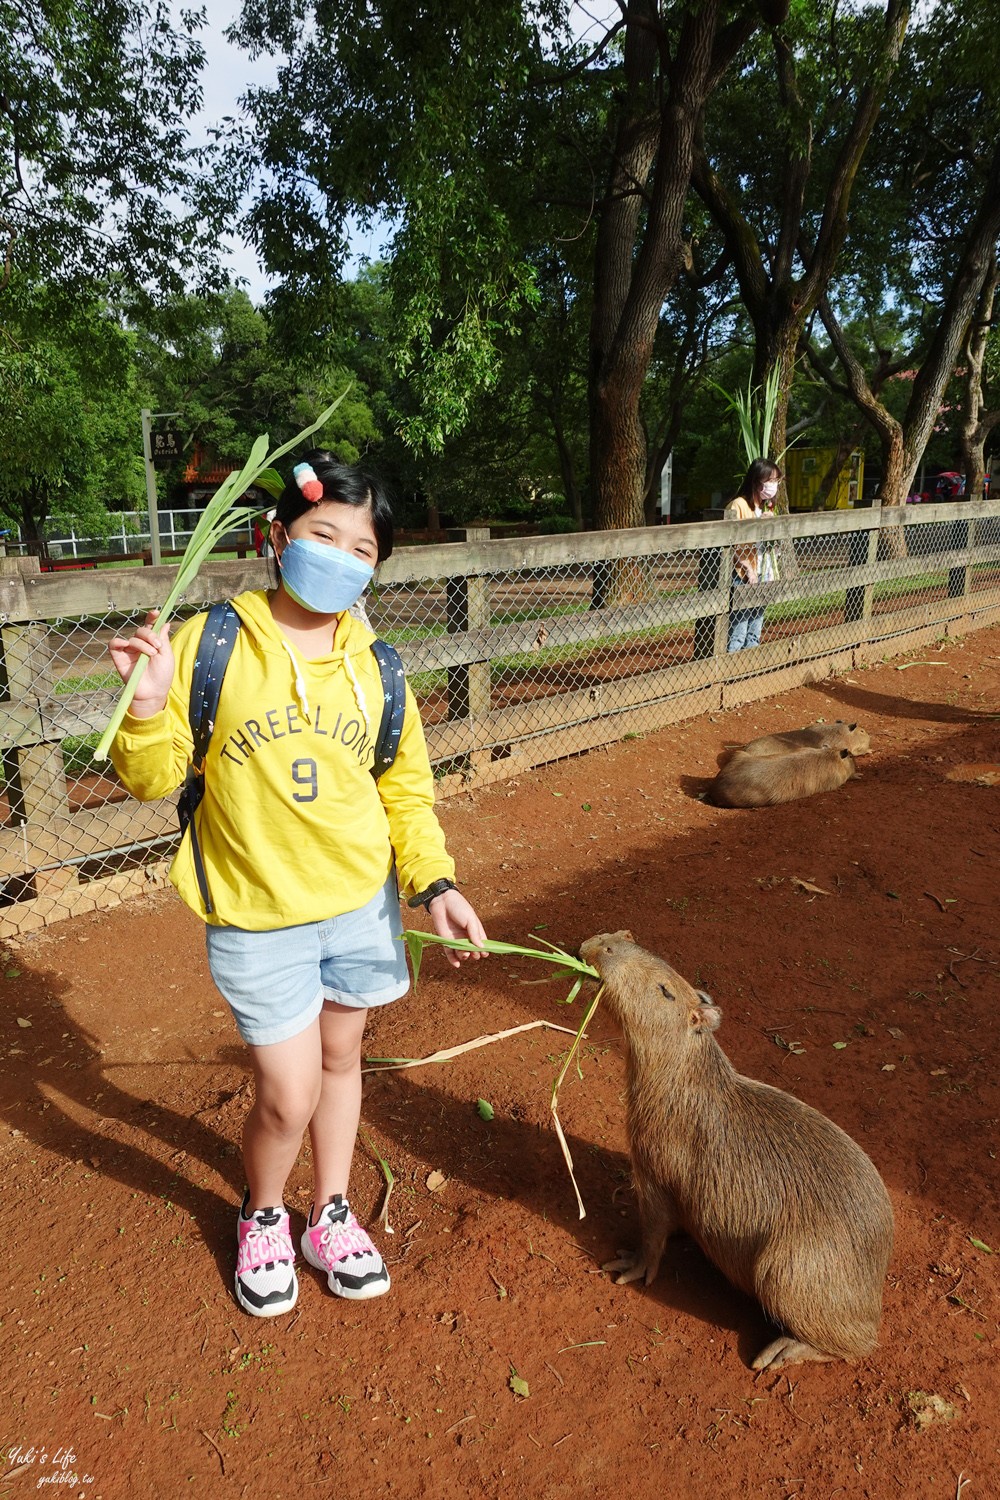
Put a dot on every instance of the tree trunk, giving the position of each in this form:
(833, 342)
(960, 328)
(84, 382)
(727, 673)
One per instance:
(779, 350)
(618, 469)
(976, 262)
(977, 423)
(567, 469)
(34, 514)
(617, 445)
(779, 303)
(890, 432)
(640, 247)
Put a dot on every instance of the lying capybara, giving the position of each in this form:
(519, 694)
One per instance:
(764, 780)
(819, 736)
(783, 1202)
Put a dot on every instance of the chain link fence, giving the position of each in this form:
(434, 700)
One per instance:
(519, 652)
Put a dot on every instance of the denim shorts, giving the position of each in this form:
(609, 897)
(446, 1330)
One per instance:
(276, 981)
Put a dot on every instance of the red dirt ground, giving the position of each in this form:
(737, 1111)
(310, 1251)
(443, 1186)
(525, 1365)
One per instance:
(124, 1095)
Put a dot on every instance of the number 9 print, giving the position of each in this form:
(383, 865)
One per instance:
(304, 775)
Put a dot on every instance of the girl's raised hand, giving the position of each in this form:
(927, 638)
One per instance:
(454, 917)
(154, 685)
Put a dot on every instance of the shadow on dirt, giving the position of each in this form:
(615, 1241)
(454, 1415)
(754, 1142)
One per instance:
(59, 1076)
(516, 1162)
(866, 701)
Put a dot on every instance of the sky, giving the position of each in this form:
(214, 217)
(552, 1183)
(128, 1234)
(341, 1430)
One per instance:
(229, 72)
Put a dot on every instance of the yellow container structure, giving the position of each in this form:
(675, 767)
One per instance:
(805, 470)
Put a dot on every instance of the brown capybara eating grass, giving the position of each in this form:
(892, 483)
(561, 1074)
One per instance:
(778, 1196)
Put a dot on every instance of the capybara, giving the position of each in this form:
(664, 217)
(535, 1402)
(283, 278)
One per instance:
(783, 1202)
(764, 780)
(819, 736)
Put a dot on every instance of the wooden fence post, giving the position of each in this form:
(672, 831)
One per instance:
(959, 538)
(467, 604)
(862, 552)
(35, 777)
(711, 632)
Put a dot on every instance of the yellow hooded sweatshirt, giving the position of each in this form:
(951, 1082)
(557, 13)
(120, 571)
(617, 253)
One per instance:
(293, 827)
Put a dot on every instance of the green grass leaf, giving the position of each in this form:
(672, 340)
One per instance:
(417, 940)
(219, 516)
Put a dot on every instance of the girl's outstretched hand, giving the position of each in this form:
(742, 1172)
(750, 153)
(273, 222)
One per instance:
(151, 693)
(454, 917)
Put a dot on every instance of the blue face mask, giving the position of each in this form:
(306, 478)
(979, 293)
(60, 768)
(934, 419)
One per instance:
(322, 578)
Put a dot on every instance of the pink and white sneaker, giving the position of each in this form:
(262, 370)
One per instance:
(266, 1284)
(335, 1242)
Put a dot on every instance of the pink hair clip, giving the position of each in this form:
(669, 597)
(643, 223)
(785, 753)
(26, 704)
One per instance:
(305, 477)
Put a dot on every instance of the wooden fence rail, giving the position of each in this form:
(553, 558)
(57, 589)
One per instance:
(520, 651)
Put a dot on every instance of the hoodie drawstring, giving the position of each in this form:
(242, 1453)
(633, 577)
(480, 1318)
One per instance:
(301, 694)
(300, 682)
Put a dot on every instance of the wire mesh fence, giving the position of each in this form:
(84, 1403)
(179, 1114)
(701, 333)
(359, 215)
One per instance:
(518, 652)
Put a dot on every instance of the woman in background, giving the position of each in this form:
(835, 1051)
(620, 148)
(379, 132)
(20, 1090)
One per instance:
(754, 562)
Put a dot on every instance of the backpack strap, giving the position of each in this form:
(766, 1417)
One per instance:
(390, 668)
(218, 637)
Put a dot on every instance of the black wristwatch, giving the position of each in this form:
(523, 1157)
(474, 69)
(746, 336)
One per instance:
(436, 888)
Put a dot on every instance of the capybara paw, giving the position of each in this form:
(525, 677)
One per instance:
(789, 1351)
(629, 1265)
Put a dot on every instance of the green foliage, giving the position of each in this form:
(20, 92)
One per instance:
(69, 433)
(216, 360)
(99, 185)
(754, 410)
(222, 514)
(425, 116)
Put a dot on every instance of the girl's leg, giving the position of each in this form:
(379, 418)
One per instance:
(334, 1123)
(755, 624)
(737, 638)
(334, 1241)
(287, 1077)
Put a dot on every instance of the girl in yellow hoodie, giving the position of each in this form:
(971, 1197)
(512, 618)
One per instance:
(304, 854)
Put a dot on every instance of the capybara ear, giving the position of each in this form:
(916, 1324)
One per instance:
(707, 1015)
(628, 936)
(852, 727)
(844, 754)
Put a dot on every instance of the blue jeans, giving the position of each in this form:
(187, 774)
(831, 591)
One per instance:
(745, 625)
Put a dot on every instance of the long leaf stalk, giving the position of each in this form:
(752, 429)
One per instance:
(220, 516)
(569, 966)
(390, 1182)
(554, 1102)
(416, 941)
(755, 410)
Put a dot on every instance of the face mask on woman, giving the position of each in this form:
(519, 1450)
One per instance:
(769, 490)
(322, 578)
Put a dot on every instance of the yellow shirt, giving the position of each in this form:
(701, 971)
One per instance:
(293, 827)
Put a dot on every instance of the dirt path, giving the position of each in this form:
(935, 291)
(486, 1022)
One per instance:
(123, 1100)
